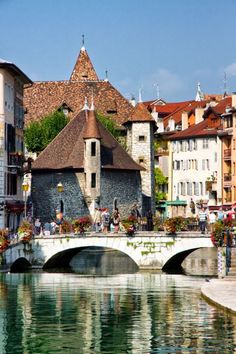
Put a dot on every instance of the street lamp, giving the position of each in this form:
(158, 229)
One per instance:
(60, 187)
(25, 188)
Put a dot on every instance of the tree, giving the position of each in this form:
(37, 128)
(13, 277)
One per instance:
(160, 182)
(109, 124)
(39, 134)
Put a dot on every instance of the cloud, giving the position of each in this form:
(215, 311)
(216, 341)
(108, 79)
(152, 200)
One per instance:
(231, 69)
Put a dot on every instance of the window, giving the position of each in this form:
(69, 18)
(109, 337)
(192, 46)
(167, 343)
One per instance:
(203, 164)
(93, 180)
(201, 188)
(205, 143)
(215, 156)
(141, 160)
(141, 138)
(93, 148)
(207, 164)
(182, 186)
(11, 184)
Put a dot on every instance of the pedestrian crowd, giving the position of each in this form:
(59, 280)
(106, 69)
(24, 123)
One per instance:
(206, 219)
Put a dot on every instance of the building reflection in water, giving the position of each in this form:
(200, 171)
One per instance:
(137, 313)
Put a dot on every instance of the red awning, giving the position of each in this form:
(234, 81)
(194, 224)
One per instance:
(14, 206)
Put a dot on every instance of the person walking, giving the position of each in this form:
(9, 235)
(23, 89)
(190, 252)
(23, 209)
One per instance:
(149, 220)
(212, 220)
(59, 219)
(116, 220)
(97, 220)
(105, 220)
(202, 217)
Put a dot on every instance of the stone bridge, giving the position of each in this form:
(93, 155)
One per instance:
(149, 250)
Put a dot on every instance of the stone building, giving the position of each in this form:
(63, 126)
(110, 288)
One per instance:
(135, 124)
(92, 167)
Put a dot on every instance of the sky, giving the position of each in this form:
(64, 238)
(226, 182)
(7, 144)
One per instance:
(161, 47)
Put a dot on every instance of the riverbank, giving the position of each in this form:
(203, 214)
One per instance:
(221, 292)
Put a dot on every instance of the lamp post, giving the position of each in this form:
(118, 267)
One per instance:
(60, 189)
(25, 188)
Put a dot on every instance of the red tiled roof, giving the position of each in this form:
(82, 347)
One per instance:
(43, 98)
(196, 130)
(168, 107)
(177, 115)
(66, 151)
(140, 114)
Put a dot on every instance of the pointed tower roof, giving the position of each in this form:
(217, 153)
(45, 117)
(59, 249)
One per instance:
(83, 69)
(91, 130)
(140, 114)
(69, 145)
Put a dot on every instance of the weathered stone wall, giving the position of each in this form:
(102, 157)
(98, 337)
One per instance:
(46, 199)
(124, 186)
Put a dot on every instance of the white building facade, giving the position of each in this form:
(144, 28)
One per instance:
(196, 170)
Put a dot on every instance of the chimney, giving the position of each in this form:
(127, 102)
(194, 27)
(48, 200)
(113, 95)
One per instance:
(184, 120)
(234, 99)
(199, 114)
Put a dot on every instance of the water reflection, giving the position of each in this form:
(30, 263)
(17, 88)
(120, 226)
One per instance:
(136, 313)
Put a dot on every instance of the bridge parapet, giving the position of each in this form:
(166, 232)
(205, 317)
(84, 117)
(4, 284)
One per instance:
(149, 250)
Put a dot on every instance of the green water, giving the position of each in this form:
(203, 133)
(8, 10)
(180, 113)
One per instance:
(136, 313)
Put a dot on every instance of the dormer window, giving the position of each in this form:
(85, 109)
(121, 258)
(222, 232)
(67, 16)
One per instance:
(84, 75)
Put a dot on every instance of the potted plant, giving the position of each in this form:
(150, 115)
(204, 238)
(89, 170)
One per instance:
(172, 225)
(66, 227)
(130, 225)
(81, 224)
(25, 231)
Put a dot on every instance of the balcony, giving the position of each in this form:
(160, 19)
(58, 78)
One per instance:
(227, 154)
(211, 186)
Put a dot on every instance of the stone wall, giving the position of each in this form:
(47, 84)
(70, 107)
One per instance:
(46, 199)
(125, 186)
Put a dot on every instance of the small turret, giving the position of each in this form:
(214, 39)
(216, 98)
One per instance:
(92, 158)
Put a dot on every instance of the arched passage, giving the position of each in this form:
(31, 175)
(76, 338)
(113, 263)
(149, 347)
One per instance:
(20, 265)
(173, 265)
(92, 260)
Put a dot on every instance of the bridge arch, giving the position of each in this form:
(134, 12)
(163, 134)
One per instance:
(173, 264)
(93, 260)
(21, 264)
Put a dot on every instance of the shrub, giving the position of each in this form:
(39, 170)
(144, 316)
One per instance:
(175, 224)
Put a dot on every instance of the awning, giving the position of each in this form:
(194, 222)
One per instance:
(14, 206)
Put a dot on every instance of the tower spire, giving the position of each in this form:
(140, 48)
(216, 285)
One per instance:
(106, 75)
(199, 95)
(140, 96)
(83, 47)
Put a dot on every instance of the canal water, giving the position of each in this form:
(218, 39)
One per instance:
(138, 313)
